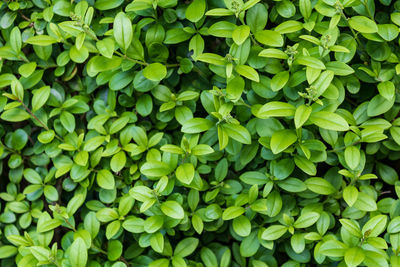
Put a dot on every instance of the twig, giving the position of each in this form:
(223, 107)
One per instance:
(37, 119)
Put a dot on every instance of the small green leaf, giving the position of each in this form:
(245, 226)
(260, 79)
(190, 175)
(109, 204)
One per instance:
(173, 209)
(195, 11)
(320, 186)
(329, 121)
(186, 247)
(248, 72)
(185, 173)
(15, 115)
(232, 212)
(78, 253)
(363, 24)
(270, 38)
(105, 179)
(196, 125)
(123, 33)
(354, 256)
(240, 34)
(281, 140)
(301, 115)
(41, 40)
(274, 232)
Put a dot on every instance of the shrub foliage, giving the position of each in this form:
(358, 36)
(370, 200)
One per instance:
(199, 133)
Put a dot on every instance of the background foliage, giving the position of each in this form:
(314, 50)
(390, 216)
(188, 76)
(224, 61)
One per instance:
(203, 133)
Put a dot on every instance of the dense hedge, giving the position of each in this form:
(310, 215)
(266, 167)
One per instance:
(204, 133)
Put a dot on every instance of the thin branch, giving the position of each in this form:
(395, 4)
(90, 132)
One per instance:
(37, 119)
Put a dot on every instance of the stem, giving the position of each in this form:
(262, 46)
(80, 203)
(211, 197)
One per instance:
(131, 59)
(37, 119)
(24, 17)
(125, 56)
(352, 31)
(344, 147)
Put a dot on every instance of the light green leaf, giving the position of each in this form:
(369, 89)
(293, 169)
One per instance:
(122, 28)
(281, 140)
(78, 253)
(195, 10)
(270, 38)
(173, 209)
(155, 72)
(363, 24)
(41, 40)
(329, 121)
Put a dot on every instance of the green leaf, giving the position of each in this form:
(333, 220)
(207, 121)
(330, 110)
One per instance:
(375, 226)
(16, 40)
(270, 38)
(387, 90)
(350, 194)
(157, 242)
(333, 248)
(232, 212)
(257, 17)
(365, 202)
(41, 40)
(279, 80)
(273, 53)
(306, 220)
(105, 179)
(247, 72)
(211, 58)
(237, 132)
(222, 29)
(155, 72)
(354, 256)
(122, 28)
(67, 121)
(176, 35)
(351, 226)
(339, 68)
(196, 125)
(320, 186)
(274, 232)
(186, 247)
(310, 62)
(106, 47)
(352, 156)
(253, 177)
(281, 140)
(329, 120)
(301, 115)
(242, 225)
(98, 64)
(173, 209)
(78, 253)
(107, 4)
(195, 11)
(240, 34)
(394, 225)
(118, 161)
(40, 253)
(276, 109)
(185, 173)
(363, 24)
(155, 169)
(15, 115)
(235, 87)
(379, 105)
(7, 251)
(27, 69)
(208, 257)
